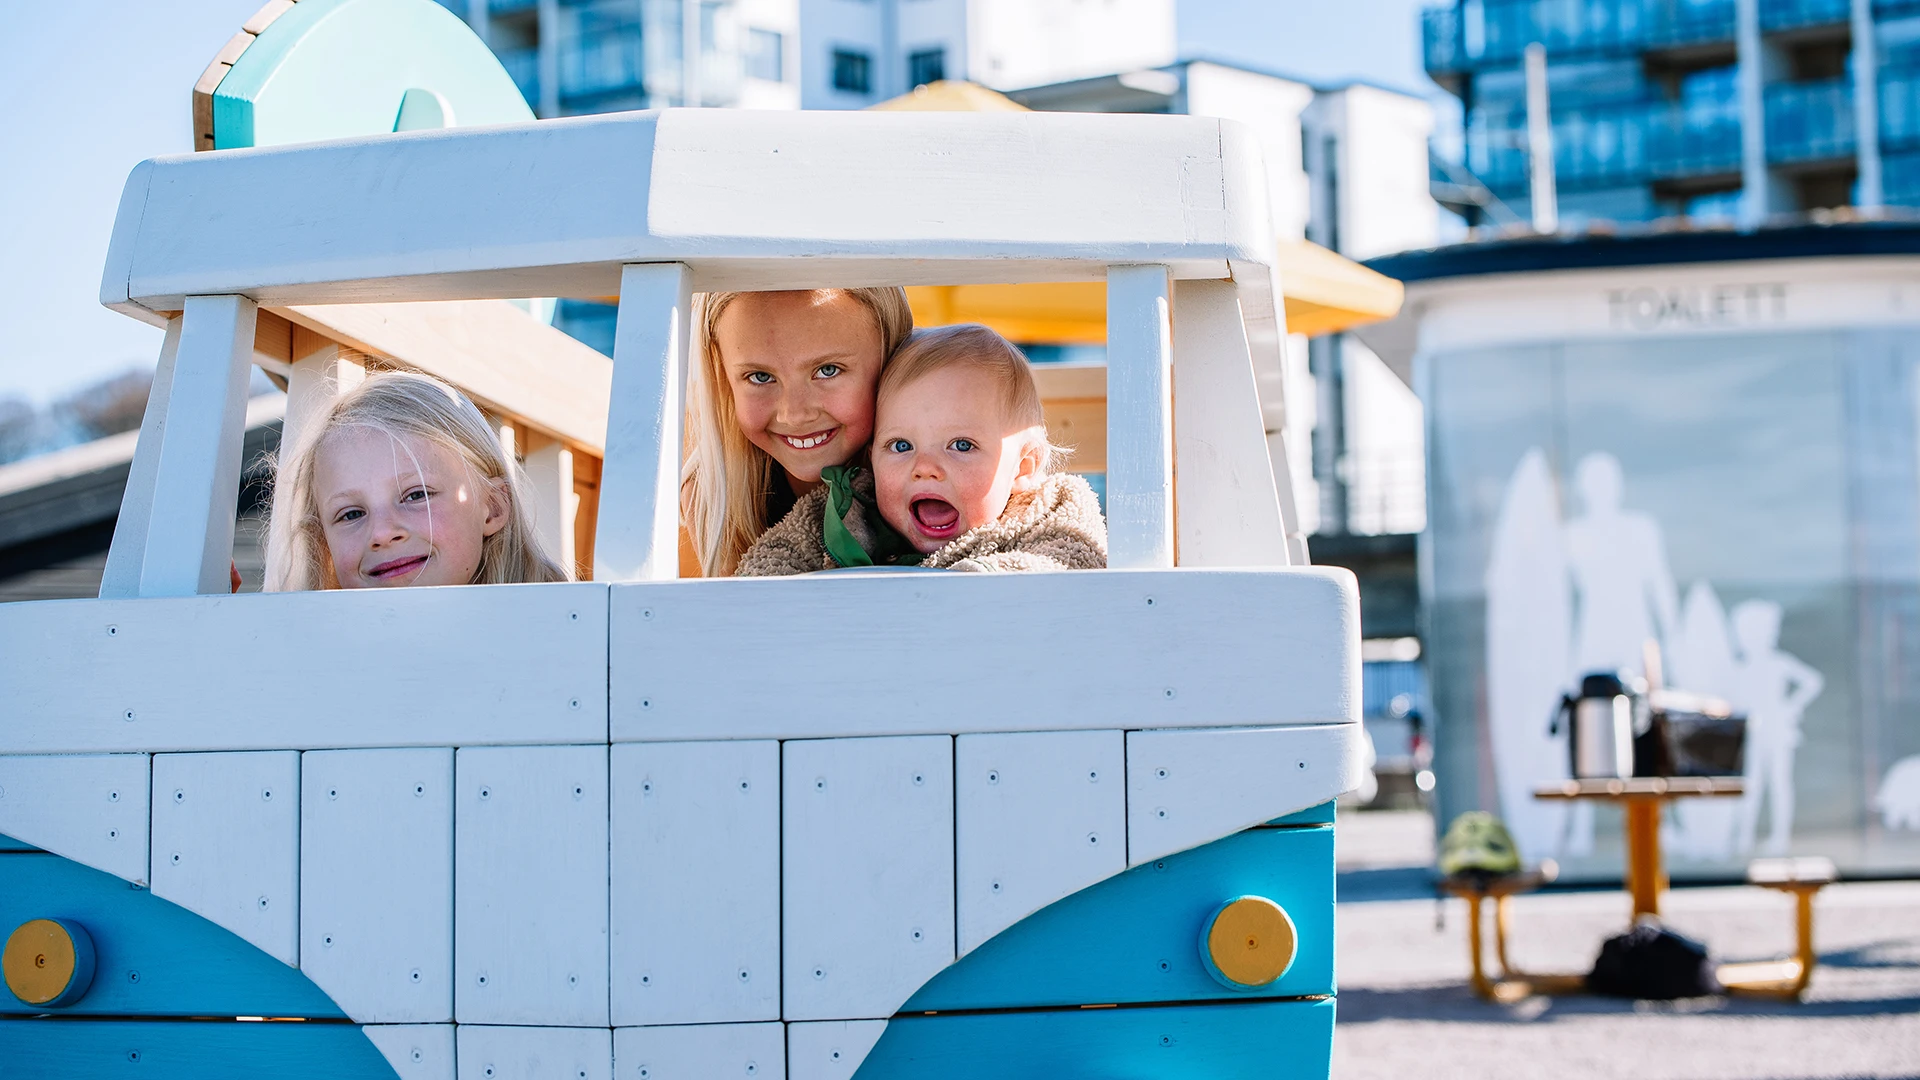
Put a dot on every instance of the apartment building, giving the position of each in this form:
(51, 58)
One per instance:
(1713, 110)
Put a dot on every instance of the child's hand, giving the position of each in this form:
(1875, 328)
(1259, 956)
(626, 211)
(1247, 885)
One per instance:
(233, 569)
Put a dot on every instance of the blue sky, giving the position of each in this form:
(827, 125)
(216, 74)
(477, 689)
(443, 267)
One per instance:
(96, 86)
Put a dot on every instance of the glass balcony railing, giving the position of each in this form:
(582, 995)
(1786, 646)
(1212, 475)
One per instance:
(1796, 14)
(1440, 35)
(1809, 121)
(1888, 8)
(601, 64)
(1613, 147)
(509, 7)
(1496, 33)
(1900, 179)
(1900, 112)
(523, 65)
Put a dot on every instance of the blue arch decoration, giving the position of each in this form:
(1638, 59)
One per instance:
(1109, 982)
(168, 988)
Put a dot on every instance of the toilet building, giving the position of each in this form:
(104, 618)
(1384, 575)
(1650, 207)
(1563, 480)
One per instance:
(1708, 441)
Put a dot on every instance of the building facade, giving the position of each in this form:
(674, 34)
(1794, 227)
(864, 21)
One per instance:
(1714, 110)
(1706, 441)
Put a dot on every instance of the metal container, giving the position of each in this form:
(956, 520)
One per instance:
(1600, 727)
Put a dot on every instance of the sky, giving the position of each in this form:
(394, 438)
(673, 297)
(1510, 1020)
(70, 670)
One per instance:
(96, 86)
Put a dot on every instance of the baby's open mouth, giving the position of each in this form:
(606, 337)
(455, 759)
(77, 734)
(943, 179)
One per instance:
(387, 571)
(936, 517)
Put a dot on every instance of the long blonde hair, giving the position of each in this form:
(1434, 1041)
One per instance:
(403, 403)
(725, 481)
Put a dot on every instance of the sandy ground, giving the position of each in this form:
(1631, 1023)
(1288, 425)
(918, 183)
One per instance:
(1405, 1011)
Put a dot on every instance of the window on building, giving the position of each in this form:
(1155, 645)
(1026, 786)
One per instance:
(852, 72)
(926, 66)
(764, 49)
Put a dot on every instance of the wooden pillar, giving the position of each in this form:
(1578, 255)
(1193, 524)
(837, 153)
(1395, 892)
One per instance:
(1139, 417)
(1646, 873)
(549, 468)
(196, 480)
(1223, 479)
(639, 517)
(121, 580)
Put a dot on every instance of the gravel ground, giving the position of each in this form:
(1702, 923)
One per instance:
(1405, 1011)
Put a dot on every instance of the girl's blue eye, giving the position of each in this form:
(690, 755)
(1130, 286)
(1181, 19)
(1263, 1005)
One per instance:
(350, 515)
(962, 445)
(900, 446)
(416, 495)
(828, 371)
(759, 378)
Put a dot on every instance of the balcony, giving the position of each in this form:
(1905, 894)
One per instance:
(523, 65)
(1613, 147)
(1811, 121)
(1777, 15)
(601, 63)
(510, 7)
(1456, 42)
(1900, 112)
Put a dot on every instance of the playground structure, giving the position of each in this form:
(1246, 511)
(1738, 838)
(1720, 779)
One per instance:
(572, 829)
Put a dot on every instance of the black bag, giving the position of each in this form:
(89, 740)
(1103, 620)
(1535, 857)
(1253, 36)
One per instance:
(1653, 963)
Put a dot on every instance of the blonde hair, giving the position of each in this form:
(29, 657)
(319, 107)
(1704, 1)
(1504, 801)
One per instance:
(725, 481)
(980, 348)
(402, 403)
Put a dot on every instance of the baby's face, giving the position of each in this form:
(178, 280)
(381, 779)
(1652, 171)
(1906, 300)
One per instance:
(946, 458)
(399, 510)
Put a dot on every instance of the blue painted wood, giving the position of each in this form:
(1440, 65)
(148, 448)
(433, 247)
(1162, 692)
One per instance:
(1270, 1040)
(187, 1050)
(8, 844)
(1135, 937)
(152, 958)
(1312, 815)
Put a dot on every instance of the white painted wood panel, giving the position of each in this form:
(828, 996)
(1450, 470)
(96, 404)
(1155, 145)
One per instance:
(638, 532)
(530, 880)
(89, 808)
(121, 577)
(90, 676)
(701, 1052)
(1187, 788)
(889, 198)
(196, 482)
(1040, 815)
(535, 1053)
(315, 382)
(226, 843)
(867, 873)
(1187, 648)
(830, 1050)
(416, 1051)
(1139, 418)
(696, 882)
(1223, 480)
(376, 882)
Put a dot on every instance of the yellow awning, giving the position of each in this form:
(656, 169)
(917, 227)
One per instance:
(1325, 293)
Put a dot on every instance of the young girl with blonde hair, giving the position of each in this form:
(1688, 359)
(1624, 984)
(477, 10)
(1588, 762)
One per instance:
(402, 482)
(783, 387)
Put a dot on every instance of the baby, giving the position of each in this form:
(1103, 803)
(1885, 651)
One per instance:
(961, 475)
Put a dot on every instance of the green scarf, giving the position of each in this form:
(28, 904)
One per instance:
(852, 513)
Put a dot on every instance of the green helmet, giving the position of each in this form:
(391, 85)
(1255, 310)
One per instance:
(1478, 842)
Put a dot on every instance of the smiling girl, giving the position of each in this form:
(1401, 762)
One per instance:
(784, 388)
(403, 482)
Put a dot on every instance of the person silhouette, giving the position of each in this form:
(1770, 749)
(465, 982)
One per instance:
(1624, 592)
(1624, 595)
(1774, 688)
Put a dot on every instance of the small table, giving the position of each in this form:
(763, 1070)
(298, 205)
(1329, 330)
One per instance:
(1646, 870)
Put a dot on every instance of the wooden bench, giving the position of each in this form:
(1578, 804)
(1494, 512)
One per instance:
(1787, 978)
(1474, 887)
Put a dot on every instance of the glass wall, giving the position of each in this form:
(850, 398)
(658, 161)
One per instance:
(1751, 503)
